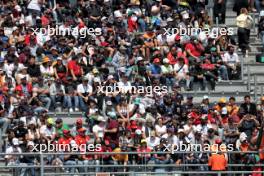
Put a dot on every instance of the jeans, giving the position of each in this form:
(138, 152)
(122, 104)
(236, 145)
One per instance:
(69, 101)
(142, 25)
(262, 37)
(90, 169)
(70, 163)
(21, 171)
(223, 72)
(4, 122)
(47, 101)
(83, 105)
(54, 101)
(201, 81)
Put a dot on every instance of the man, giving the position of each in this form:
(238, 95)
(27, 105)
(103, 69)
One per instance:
(48, 131)
(194, 49)
(155, 69)
(82, 139)
(121, 158)
(111, 131)
(14, 160)
(75, 70)
(60, 126)
(248, 107)
(232, 62)
(78, 125)
(217, 162)
(84, 91)
(57, 94)
(181, 71)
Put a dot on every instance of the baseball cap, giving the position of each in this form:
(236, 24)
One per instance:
(222, 100)
(50, 121)
(58, 120)
(189, 97)
(79, 121)
(110, 77)
(205, 97)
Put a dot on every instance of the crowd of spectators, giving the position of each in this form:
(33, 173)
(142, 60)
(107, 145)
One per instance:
(130, 43)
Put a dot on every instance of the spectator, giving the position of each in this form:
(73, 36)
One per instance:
(244, 24)
(248, 107)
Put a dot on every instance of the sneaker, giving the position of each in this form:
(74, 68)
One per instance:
(70, 110)
(76, 109)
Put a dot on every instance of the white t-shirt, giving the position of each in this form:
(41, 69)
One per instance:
(84, 89)
(183, 71)
(160, 129)
(152, 143)
(47, 131)
(99, 130)
(231, 59)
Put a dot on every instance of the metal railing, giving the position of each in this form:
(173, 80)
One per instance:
(136, 169)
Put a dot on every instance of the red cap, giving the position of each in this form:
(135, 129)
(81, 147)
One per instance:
(218, 141)
(156, 60)
(79, 121)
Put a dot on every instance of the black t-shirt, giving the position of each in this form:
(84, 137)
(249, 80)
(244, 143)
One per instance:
(34, 70)
(21, 132)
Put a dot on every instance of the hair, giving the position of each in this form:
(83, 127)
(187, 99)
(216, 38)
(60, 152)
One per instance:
(244, 11)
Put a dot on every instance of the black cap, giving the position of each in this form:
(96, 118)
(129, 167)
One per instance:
(58, 120)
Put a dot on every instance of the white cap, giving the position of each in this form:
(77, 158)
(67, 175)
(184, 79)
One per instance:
(15, 141)
(118, 14)
(110, 77)
(139, 58)
(30, 143)
(96, 79)
(205, 97)
(242, 137)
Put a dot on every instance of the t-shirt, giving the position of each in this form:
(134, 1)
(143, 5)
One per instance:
(72, 65)
(181, 72)
(120, 157)
(231, 59)
(193, 49)
(99, 130)
(84, 89)
(217, 162)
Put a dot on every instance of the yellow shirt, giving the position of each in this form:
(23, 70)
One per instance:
(119, 157)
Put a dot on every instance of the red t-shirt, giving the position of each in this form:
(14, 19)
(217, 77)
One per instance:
(193, 49)
(82, 141)
(113, 137)
(64, 141)
(72, 65)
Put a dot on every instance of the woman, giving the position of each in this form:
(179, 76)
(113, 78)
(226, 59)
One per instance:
(46, 68)
(160, 128)
(244, 24)
(60, 70)
(33, 132)
(123, 111)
